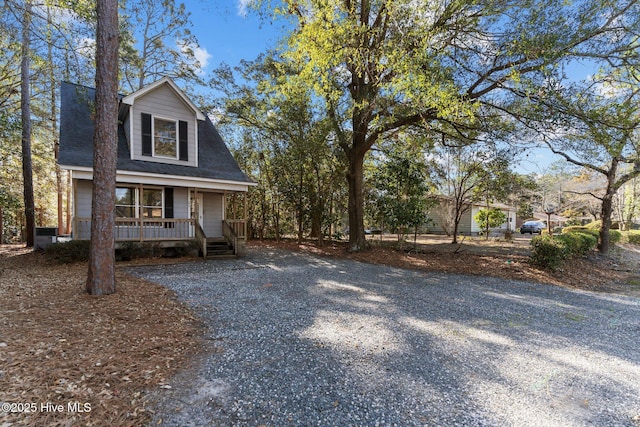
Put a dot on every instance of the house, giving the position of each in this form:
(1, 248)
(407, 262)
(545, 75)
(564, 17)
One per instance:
(176, 179)
(441, 216)
(554, 219)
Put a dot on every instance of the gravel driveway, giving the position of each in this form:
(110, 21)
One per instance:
(301, 340)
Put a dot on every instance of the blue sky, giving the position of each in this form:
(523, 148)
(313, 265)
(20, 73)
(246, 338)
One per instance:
(228, 31)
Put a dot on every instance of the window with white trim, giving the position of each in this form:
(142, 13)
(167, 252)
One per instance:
(151, 203)
(165, 138)
(126, 202)
(129, 204)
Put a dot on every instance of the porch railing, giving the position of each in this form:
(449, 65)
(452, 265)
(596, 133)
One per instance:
(229, 233)
(239, 227)
(141, 229)
(201, 238)
(235, 231)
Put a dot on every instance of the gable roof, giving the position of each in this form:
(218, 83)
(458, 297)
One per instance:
(130, 99)
(215, 162)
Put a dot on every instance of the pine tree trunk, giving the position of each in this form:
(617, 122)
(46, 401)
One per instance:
(54, 130)
(25, 106)
(101, 276)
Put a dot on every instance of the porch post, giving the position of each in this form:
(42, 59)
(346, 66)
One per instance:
(224, 205)
(244, 215)
(67, 228)
(139, 208)
(196, 213)
(75, 222)
(234, 205)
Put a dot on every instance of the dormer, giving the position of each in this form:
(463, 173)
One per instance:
(161, 124)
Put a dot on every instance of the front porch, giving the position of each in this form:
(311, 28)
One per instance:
(170, 215)
(168, 231)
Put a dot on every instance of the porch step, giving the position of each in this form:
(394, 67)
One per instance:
(219, 248)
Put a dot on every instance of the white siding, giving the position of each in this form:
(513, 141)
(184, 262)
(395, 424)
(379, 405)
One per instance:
(212, 214)
(509, 224)
(164, 103)
(465, 223)
(82, 199)
(441, 215)
(180, 202)
(475, 228)
(127, 131)
(438, 216)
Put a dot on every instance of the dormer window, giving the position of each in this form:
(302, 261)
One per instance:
(164, 138)
(165, 141)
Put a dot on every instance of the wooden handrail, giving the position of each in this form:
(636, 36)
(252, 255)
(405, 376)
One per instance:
(141, 229)
(239, 227)
(201, 238)
(230, 234)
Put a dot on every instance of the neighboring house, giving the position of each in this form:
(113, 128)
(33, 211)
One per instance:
(441, 215)
(174, 176)
(555, 220)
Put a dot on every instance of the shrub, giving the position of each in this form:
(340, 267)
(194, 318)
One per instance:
(547, 252)
(594, 225)
(615, 236)
(508, 235)
(577, 243)
(633, 236)
(78, 251)
(550, 251)
(573, 228)
(69, 252)
(133, 250)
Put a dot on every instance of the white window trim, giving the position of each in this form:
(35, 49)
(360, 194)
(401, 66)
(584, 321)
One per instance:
(153, 137)
(141, 206)
(137, 199)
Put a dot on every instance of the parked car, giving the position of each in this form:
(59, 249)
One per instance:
(372, 231)
(532, 227)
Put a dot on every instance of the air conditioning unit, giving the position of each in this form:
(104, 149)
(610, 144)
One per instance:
(45, 236)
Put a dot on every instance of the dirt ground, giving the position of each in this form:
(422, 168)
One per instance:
(618, 272)
(67, 358)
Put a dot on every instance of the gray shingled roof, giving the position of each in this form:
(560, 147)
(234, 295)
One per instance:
(76, 143)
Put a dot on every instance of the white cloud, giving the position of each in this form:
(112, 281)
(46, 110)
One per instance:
(200, 55)
(243, 7)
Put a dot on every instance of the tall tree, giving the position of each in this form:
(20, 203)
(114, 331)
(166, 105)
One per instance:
(470, 174)
(158, 43)
(288, 129)
(54, 127)
(101, 277)
(602, 136)
(382, 65)
(401, 184)
(27, 167)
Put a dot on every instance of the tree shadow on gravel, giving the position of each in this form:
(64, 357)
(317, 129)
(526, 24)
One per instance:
(303, 340)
